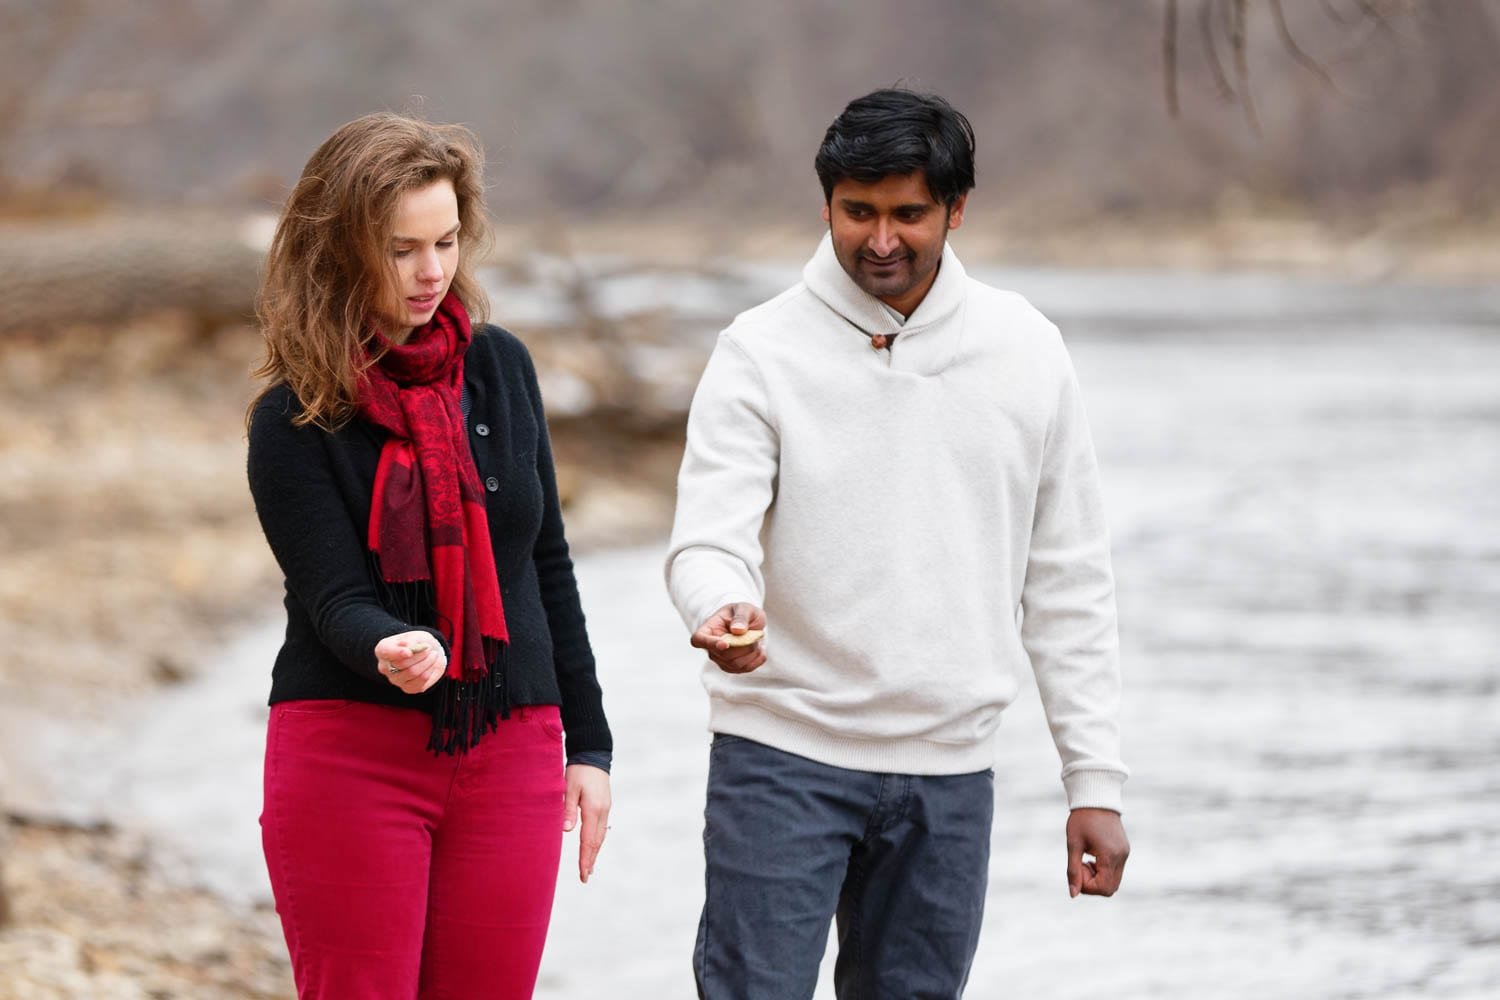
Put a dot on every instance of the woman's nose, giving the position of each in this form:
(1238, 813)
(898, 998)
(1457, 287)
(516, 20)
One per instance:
(431, 268)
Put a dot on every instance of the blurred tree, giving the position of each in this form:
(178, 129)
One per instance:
(702, 108)
(1224, 27)
(36, 33)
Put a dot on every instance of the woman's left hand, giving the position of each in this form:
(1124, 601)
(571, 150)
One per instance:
(588, 796)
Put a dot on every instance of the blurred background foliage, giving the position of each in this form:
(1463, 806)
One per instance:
(713, 109)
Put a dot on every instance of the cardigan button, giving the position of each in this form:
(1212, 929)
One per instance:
(492, 484)
(483, 430)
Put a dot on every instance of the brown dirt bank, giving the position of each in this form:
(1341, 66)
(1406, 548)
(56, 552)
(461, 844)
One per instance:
(131, 551)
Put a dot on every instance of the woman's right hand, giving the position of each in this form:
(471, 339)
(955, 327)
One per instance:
(413, 661)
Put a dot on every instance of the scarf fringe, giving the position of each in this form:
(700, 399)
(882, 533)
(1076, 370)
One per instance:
(462, 711)
(411, 601)
(465, 710)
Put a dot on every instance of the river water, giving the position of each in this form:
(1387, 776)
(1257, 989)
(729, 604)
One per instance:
(1304, 487)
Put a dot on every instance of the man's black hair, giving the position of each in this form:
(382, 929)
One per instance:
(896, 132)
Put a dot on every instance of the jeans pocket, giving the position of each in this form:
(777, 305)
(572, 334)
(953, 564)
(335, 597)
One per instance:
(549, 718)
(724, 740)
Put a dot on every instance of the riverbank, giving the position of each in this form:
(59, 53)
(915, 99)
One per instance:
(1253, 498)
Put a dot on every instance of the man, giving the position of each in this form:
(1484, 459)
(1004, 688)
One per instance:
(889, 474)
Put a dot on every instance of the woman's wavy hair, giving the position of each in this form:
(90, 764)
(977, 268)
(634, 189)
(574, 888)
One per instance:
(329, 268)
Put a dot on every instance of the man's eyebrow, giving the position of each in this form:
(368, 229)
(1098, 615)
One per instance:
(911, 206)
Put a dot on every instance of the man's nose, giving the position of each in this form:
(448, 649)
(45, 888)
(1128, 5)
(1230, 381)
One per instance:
(883, 241)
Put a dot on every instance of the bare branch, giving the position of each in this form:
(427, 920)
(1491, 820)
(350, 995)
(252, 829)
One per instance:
(1169, 59)
(1381, 11)
(1211, 49)
(1296, 51)
(1334, 14)
(1239, 15)
(1376, 25)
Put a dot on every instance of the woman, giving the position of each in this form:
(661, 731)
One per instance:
(435, 651)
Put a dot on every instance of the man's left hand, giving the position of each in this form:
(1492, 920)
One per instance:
(1096, 834)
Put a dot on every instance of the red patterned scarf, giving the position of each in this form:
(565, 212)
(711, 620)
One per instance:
(427, 516)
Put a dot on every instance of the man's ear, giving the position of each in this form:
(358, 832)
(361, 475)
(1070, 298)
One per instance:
(826, 216)
(956, 213)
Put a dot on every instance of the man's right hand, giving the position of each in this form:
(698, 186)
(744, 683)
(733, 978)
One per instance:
(732, 619)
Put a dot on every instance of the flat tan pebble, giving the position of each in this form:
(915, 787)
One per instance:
(749, 638)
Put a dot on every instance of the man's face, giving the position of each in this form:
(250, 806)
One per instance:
(889, 235)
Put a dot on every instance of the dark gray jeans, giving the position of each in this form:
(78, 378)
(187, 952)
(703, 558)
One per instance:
(901, 860)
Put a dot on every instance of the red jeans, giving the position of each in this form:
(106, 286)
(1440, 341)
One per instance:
(401, 874)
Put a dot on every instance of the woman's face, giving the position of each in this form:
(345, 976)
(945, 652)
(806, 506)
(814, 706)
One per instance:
(423, 255)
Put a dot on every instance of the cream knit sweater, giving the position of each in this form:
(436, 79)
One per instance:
(917, 523)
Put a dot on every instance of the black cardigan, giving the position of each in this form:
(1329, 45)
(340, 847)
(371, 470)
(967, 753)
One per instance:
(312, 491)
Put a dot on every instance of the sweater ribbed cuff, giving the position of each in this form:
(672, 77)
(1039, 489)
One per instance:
(708, 608)
(1094, 789)
(602, 759)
